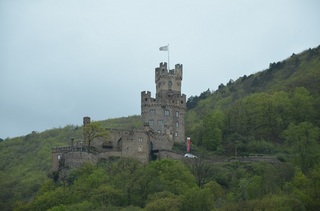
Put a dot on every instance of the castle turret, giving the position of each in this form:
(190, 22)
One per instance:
(166, 112)
(168, 80)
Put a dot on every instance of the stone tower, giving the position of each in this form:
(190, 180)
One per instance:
(166, 112)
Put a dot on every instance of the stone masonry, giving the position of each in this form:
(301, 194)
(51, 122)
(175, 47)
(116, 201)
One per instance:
(166, 112)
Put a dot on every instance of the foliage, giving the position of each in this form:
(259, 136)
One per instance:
(163, 201)
(213, 124)
(125, 184)
(302, 139)
(94, 130)
(193, 100)
(259, 107)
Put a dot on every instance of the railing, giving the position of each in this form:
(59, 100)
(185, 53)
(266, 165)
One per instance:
(70, 149)
(74, 149)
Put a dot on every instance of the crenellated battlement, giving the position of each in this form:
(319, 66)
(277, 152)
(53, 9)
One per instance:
(163, 72)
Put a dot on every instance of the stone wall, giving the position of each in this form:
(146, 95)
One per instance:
(77, 159)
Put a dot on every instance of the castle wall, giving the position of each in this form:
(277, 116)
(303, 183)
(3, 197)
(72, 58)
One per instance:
(55, 161)
(77, 159)
(124, 143)
(161, 142)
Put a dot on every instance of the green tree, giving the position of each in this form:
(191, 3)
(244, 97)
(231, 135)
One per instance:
(314, 191)
(106, 195)
(126, 176)
(302, 106)
(215, 189)
(242, 193)
(167, 175)
(198, 199)
(163, 201)
(301, 139)
(201, 169)
(213, 127)
(94, 130)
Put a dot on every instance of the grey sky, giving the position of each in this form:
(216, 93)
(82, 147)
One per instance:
(61, 60)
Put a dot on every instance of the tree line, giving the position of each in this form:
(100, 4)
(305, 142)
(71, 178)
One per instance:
(192, 184)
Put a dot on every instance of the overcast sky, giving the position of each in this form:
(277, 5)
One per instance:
(61, 60)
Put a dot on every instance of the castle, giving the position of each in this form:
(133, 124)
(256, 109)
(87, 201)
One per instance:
(164, 124)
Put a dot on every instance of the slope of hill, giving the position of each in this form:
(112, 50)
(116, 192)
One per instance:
(252, 113)
(25, 161)
(299, 70)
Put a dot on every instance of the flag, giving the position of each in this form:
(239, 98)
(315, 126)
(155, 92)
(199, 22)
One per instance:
(164, 48)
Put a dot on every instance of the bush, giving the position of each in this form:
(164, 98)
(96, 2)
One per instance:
(261, 147)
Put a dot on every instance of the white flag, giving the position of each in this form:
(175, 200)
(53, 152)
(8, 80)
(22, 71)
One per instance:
(164, 48)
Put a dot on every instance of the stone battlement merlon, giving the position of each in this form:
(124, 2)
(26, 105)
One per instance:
(146, 97)
(148, 93)
(163, 71)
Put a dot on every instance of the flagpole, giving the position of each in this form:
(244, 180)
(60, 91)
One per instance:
(166, 48)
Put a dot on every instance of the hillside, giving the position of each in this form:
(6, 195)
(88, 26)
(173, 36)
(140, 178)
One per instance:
(25, 161)
(257, 109)
(275, 111)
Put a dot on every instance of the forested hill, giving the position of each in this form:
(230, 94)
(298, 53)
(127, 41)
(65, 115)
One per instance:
(274, 112)
(25, 161)
(299, 70)
(255, 111)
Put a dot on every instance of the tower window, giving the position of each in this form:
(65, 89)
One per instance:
(177, 113)
(160, 122)
(166, 112)
(177, 124)
(170, 83)
(146, 99)
(176, 134)
(152, 112)
(140, 139)
(150, 122)
(181, 102)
